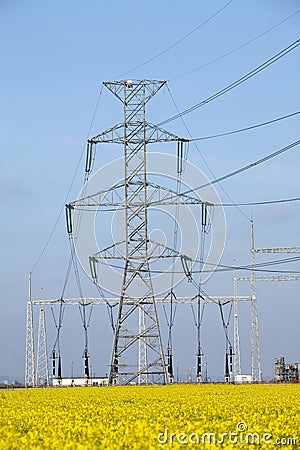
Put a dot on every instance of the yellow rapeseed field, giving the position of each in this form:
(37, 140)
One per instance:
(151, 417)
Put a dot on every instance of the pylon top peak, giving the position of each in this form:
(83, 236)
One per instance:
(123, 88)
(129, 81)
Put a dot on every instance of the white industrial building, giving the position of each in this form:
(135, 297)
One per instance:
(71, 382)
(239, 379)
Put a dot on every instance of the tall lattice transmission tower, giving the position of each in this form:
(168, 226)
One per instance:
(29, 357)
(42, 372)
(137, 352)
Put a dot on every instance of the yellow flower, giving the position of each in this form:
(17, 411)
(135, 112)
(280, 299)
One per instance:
(151, 417)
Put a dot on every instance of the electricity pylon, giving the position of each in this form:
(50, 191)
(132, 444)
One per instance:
(137, 323)
(29, 357)
(237, 367)
(42, 372)
(255, 349)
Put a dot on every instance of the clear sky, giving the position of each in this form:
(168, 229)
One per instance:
(54, 57)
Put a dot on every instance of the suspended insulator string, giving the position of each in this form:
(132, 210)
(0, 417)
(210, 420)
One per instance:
(198, 320)
(228, 346)
(108, 306)
(75, 265)
(90, 315)
(53, 316)
(82, 310)
(58, 325)
(172, 319)
(224, 323)
(169, 318)
(67, 276)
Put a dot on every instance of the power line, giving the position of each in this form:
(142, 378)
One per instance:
(223, 267)
(68, 192)
(251, 127)
(267, 202)
(236, 48)
(244, 168)
(236, 83)
(176, 42)
(204, 160)
(226, 268)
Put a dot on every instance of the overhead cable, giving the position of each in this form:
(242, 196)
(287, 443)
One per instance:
(236, 48)
(251, 127)
(267, 202)
(176, 42)
(236, 83)
(69, 190)
(203, 159)
(244, 168)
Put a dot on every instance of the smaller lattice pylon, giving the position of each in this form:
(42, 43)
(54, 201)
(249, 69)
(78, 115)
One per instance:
(29, 363)
(42, 373)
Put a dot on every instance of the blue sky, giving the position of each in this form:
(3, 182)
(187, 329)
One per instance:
(54, 58)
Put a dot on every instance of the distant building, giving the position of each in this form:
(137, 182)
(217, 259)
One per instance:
(71, 382)
(243, 379)
(286, 373)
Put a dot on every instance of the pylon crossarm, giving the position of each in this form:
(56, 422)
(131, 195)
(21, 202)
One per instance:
(113, 251)
(115, 300)
(153, 133)
(157, 134)
(158, 196)
(111, 135)
(295, 249)
(126, 90)
(113, 196)
(161, 195)
(162, 251)
(271, 278)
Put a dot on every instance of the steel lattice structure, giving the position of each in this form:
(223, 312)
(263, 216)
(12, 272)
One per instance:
(113, 301)
(42, 372)
(255, 349)
(29, 357)
(137, 354)
(31, 373)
